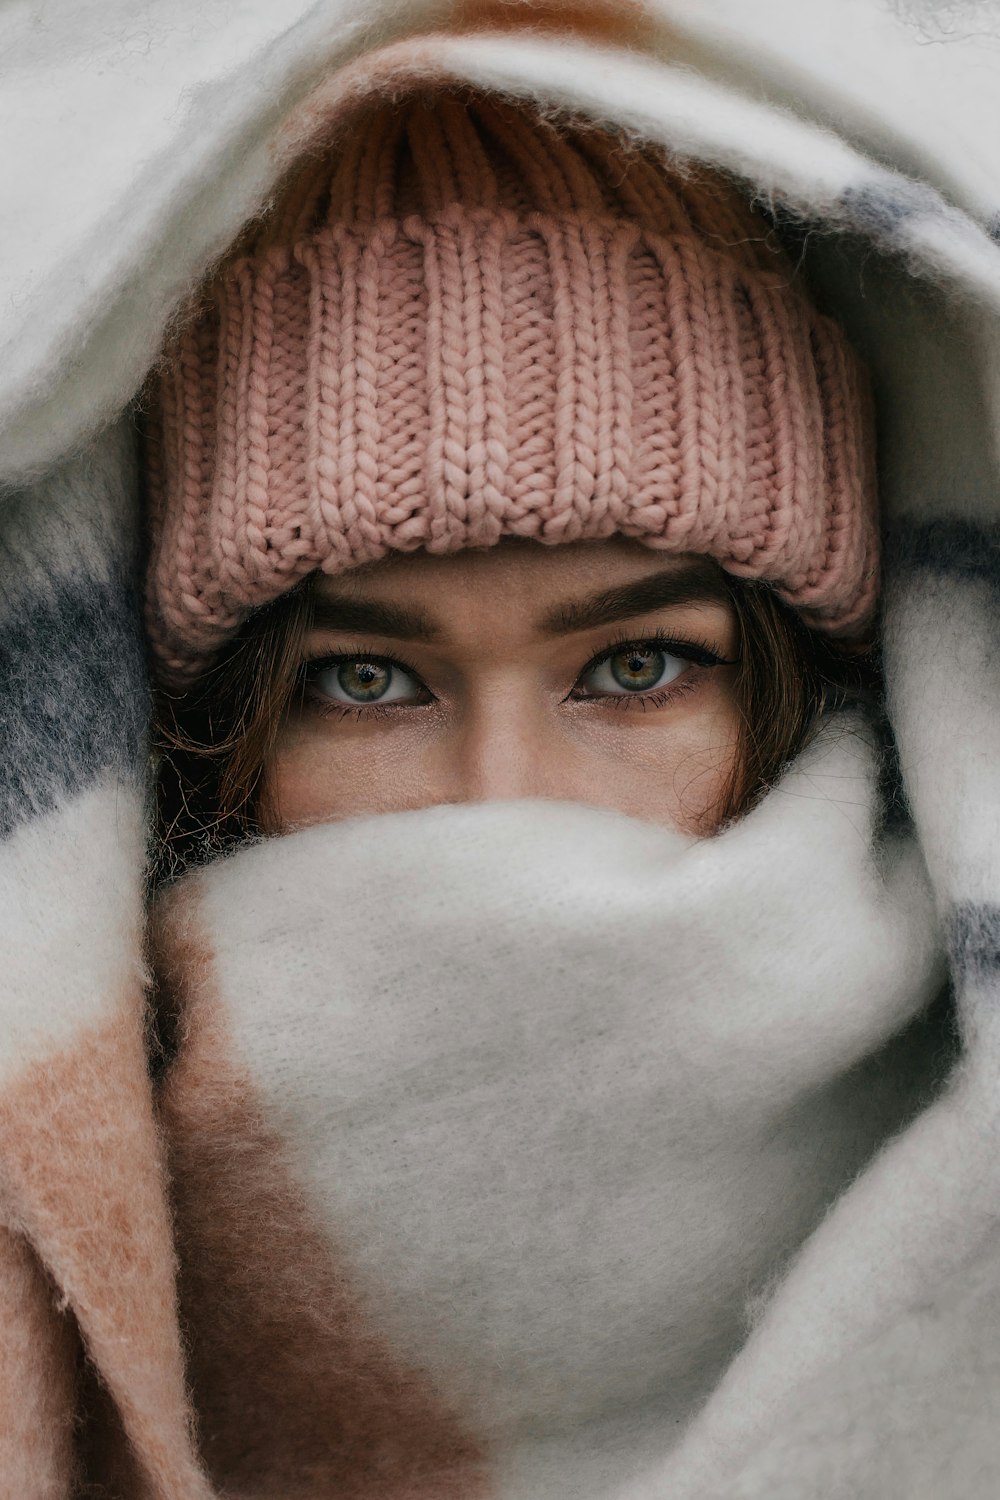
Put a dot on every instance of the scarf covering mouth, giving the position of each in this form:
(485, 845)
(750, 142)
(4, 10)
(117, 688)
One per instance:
(486, 1122)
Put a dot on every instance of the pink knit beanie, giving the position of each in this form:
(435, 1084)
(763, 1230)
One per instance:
(468, 323)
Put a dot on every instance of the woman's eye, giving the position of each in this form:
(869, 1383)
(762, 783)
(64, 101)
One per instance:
(634, 669)
(363, 679)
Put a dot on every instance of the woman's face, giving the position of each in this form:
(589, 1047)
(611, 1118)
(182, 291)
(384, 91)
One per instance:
(596, 672)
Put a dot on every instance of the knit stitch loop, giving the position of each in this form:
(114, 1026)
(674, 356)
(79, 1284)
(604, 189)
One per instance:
(468, 324)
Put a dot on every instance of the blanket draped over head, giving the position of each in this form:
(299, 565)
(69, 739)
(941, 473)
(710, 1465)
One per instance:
(518, 1152)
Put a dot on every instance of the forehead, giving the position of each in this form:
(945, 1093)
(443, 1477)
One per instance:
(522, 569)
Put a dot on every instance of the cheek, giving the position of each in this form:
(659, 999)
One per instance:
(674, 767)
(318, 774)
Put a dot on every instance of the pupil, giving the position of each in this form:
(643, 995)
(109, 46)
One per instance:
(637, 670)
(363, 680)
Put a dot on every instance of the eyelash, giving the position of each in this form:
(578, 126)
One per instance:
(326, 706)
(698, 652)
(690, 649)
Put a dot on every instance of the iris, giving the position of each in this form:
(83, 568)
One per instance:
(364, 681)
(637, 669)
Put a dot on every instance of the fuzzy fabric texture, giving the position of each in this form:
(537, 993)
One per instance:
(138, 145)
(486, 1165)
(477, 325)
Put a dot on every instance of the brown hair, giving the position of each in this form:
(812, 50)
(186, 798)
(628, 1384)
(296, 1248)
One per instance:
(213, 743)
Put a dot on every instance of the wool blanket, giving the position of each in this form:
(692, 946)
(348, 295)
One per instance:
(139, 138)
(476, 1175)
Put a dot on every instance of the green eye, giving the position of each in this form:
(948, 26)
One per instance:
(364, 679)
(637, 669)
(634, 669)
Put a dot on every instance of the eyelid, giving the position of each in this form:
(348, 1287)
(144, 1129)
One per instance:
(686, 648)
(324, 659)
(312, 666)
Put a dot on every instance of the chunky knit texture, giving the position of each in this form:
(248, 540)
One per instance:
(471, 325)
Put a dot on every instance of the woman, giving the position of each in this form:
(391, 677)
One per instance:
(550, 1088)
(479, 476)
(473, 329)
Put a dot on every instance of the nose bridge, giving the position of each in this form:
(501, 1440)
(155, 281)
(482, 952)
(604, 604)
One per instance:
(504, 748)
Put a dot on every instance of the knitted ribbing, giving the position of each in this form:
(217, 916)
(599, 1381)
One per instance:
(467, 323)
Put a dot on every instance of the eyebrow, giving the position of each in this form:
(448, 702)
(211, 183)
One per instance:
(694, 583)
(343, 613)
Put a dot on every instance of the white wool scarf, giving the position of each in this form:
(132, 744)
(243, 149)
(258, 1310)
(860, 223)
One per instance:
(489, 1124)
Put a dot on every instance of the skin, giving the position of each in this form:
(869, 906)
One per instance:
(497, 701)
